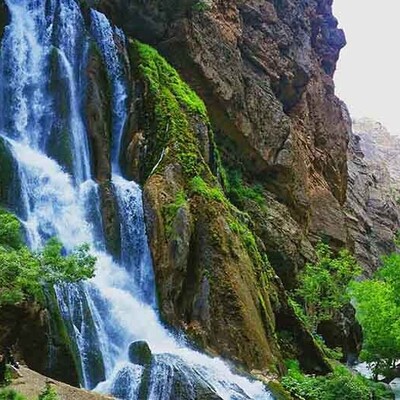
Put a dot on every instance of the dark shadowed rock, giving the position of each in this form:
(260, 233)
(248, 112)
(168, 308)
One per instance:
(140, 353)
(4, 16)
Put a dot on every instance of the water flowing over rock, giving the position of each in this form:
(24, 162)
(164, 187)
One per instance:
(65, 144)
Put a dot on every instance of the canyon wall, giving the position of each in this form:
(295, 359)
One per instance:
(372, 207)
(270, 126)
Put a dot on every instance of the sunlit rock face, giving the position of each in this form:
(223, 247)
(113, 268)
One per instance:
(374, 170)
(264, 69)
(380, 147)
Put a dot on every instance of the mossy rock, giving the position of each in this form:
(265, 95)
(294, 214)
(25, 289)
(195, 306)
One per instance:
(9, 181)
(59, 143)
(4, 16)
(140, 353)
(278, 391)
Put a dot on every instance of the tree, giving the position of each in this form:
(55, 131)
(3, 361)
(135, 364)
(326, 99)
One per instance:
(24, 273)
(323, 286)
(378, 310)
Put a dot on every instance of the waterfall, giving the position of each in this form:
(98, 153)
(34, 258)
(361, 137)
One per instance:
(50, 38)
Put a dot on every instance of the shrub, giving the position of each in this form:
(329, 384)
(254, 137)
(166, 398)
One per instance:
(239, 192)
(10, 230)
(48, 393)
(323, 286)
(8, 394)
(202, 6)
(23, 273)
(341, 384)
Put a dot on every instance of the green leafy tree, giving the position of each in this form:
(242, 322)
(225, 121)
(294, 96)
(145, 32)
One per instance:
(378, 308)
(23, 273)
(323, 286)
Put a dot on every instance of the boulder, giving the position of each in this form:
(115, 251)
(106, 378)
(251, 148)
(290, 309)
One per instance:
(140, 353)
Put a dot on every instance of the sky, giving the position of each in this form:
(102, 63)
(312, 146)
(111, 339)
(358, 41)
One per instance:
(368, 73)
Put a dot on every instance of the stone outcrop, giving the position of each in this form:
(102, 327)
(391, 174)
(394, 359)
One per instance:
(264, 70)
(213, 277)
(31, 385)
(39, 340)
(380, 148)
(373, 214)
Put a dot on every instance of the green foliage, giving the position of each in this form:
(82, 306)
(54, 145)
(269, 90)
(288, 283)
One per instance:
(239, 192)
(174, 105)
(323, 285)
(48, 393)
(10, 230)
(8, 394)
(201, 6)
(341, 384)
(199, 186)
(378, 309)
(23, 272)
(170, 210)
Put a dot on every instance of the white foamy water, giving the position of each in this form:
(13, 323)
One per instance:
(118, 306)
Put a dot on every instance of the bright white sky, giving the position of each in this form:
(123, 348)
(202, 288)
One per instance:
(368, 73)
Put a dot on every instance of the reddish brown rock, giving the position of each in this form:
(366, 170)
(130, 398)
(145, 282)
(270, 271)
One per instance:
(264, 69)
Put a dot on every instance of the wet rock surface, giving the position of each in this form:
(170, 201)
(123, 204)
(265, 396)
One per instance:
(265, 71)
(140, 353)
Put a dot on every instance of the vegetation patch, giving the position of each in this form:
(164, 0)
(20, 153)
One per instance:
(24, 273)
(202, 5)
(378, 308)
(323, 286)
(48, 393)
(199, 186)
(171, 210)
(239, 192)
(174, 106)
(8, 394)
(341, 384)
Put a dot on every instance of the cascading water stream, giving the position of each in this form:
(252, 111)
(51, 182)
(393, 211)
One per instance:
(118, 305)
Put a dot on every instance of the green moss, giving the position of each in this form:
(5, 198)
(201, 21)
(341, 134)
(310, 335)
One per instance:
(239, 192)
(279, 392)
(162, 76)
(59, 333)
(170, 210)
(199, 186)
(247, 237)
(174, 107)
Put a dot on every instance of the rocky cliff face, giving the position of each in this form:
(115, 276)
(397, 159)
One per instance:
(373, 211)
(380, 149)
(264, 70)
